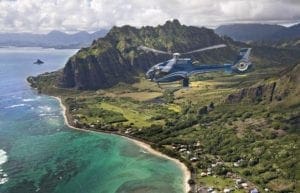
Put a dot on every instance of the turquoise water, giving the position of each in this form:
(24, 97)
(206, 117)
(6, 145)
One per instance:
(38, 153)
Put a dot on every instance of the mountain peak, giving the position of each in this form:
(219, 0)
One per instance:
(174, 22)
(115, 58)
(81, 33)
(170, 24)
(56, 32)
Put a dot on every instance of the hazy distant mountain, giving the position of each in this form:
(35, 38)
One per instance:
(289, 33)
(259, 32)
(56, 39)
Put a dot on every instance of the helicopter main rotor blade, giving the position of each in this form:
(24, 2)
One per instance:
(153, 50)
(206, 48)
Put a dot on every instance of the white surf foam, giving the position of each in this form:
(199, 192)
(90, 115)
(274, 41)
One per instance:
(28, 100)
(45, 108)
(3, 180)
(3, 159)
(14, 106)
(46, 114)
(143, 151)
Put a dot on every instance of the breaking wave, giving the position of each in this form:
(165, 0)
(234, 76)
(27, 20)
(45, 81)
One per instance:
(30, 99)
(14, 106)
(45, 108)
(3, 159)
(46, 114)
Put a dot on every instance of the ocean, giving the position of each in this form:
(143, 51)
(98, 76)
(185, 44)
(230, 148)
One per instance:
(39, 153)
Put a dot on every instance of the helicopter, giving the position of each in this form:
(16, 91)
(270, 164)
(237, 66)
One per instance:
(177, 68)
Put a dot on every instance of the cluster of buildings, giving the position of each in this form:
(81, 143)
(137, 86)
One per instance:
(193, 152)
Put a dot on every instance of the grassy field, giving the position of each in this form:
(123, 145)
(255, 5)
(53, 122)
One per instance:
(218, 183)
(142, 96)
(135, 116)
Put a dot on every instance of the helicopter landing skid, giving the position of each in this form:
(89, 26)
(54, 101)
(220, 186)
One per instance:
(185, 83)
(159, 85)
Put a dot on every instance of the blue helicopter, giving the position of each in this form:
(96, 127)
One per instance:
(177, 68)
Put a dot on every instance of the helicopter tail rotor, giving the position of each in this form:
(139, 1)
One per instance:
(185, 82)
(243, 63)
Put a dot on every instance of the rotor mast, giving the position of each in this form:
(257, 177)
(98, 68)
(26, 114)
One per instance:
(176, 55)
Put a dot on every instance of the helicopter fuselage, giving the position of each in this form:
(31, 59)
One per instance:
(181, 69)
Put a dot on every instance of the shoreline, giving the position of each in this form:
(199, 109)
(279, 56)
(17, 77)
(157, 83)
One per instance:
(184, 169)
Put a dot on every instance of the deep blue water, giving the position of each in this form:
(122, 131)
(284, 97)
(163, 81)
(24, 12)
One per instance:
(38, 153)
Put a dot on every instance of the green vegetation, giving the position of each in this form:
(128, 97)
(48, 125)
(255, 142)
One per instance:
(99, 111)
(256, 140)
(217, 182)
(223, 127)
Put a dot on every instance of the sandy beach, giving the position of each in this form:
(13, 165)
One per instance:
(184, 169)
(147, 147)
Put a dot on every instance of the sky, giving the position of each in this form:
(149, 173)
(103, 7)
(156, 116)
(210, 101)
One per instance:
(41, 16)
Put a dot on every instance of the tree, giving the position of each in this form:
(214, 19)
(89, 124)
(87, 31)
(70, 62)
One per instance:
(246, 173)
(202, 110)
(191, 182)
(211, 106)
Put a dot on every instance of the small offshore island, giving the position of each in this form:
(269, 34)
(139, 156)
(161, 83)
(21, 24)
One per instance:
(224, 128)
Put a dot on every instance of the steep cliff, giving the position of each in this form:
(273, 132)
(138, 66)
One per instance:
(115, 57)
(285, 86)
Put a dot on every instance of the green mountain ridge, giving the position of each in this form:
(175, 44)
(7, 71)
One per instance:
(115, 57)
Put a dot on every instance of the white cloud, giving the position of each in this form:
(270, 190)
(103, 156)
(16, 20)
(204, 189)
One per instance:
(73, 15)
